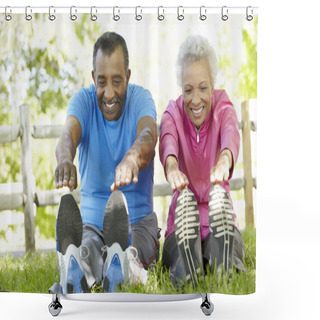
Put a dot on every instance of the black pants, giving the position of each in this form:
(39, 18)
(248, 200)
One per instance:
(171, 258)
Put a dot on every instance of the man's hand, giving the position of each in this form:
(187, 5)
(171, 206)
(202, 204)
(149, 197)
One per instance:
(66, 175)
(139, 155)
(175, 177)
(221, 171)
(126, 171)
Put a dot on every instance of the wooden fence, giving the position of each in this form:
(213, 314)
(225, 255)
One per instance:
(26, 195)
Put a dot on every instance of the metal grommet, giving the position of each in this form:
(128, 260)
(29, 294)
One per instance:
(7, 16)
(180, 15)
(52, 17)
(93, 17)
(116, 17)
(249, 17)
(160, 16)
(73, 17)
(138, 16)
(203, 12)
(224, 13)
(28, 15)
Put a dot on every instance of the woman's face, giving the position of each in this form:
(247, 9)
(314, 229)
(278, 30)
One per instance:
(197, 89)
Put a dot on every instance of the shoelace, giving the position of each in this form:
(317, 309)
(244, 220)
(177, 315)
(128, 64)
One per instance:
(104, 249)
(84, 248)
(133, 254)
(81, 257)
(133, 257)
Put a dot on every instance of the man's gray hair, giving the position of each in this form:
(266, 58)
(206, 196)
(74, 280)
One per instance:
(194, 48)
(108, 43)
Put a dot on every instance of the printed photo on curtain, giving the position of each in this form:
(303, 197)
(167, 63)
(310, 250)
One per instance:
(128, 151)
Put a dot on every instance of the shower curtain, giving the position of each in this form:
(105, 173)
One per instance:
(46, 57)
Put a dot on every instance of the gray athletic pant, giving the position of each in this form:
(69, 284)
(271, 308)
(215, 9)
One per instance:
(144, 237)
(171, 258)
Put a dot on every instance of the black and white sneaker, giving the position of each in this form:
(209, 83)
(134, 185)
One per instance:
(116, 235)
(69, 237)
(187, 233)
(222, 227)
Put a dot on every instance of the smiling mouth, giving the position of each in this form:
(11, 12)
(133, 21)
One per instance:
(197, 111)
(109, 105)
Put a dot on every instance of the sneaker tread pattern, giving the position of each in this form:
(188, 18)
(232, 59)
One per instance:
(115, 222)
(69, 223)
(187, 229)
(222, 223)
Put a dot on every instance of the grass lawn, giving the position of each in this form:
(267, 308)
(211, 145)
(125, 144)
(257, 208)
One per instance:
(37, 272)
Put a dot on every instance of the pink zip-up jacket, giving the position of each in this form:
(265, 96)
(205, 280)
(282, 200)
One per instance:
(198, 151)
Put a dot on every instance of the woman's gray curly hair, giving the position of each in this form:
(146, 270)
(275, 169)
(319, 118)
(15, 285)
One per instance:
(194, 48)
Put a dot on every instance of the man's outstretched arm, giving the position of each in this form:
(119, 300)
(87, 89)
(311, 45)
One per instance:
(139, 155)
(66, 172)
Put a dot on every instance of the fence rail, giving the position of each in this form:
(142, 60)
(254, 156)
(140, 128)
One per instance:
(24, 194)
(9, 134)
(43, 198)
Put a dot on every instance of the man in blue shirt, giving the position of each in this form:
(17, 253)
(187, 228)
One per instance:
(113, 125)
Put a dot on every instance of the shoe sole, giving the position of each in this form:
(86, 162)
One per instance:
(69, 223)
(221, 222)
(69, 238)
(115, 222)
(187, 231)
(116, 235)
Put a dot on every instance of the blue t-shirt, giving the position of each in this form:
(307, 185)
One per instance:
(103, 145)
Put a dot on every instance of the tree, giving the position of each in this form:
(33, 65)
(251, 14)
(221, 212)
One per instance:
(37, 70)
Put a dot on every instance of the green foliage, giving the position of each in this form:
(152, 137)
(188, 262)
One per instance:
(86, 30)
(34, 72)
(37, 71)
(225, 56)
(248, 70)
(10, 161)
(2, 234)
(249, 239)
(46, 221)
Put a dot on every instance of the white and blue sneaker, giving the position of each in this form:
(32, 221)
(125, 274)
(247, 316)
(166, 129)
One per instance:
(69, 237)
(135, 270)
(122, 263)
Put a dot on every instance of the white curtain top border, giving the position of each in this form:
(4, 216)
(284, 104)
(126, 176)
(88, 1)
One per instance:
(127, 9)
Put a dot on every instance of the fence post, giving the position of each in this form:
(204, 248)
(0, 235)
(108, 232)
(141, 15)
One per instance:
(27, 177)
(247, 166)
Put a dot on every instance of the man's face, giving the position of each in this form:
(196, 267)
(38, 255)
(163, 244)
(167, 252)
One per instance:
(111, 82)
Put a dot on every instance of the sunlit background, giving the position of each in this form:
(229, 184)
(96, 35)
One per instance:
(44, 63)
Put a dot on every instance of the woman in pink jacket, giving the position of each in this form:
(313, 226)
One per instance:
(199, 146)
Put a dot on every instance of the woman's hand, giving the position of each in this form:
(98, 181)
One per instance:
(221, 171)
(175, 177)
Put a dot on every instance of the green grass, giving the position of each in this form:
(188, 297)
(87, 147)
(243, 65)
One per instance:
(37, 272)
(34, 273)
